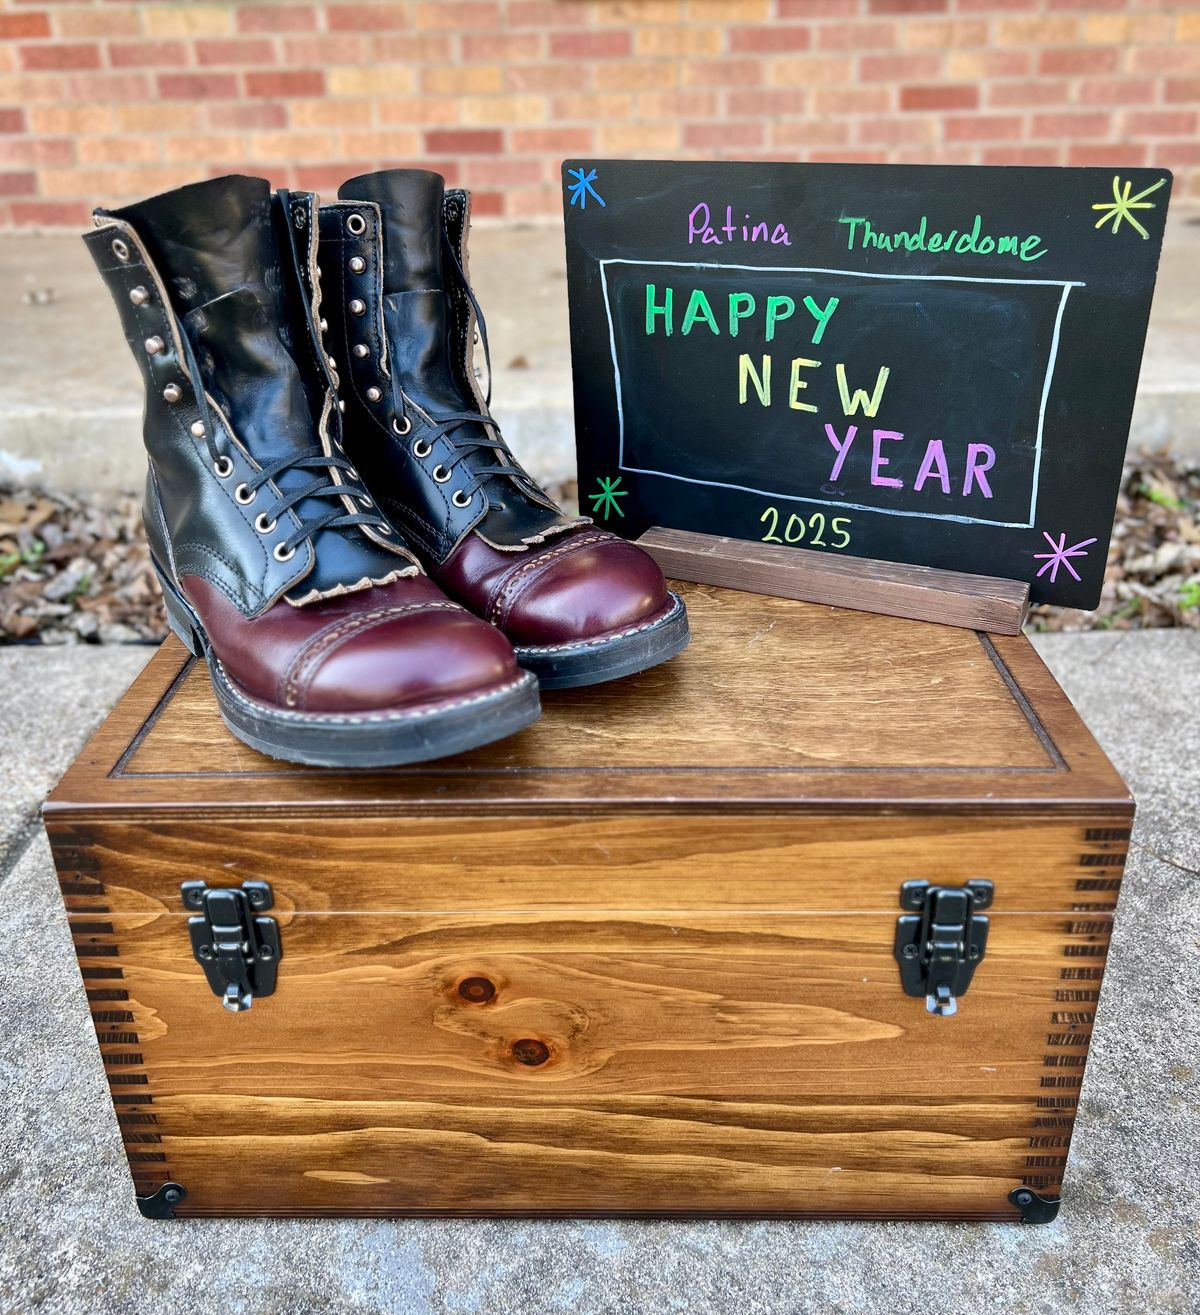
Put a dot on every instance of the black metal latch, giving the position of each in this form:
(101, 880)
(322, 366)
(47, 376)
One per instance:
(939, 946)
(237, 947)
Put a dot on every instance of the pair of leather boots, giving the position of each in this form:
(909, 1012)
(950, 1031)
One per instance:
(336, 522)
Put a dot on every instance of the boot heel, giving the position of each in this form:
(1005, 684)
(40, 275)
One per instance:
(179, 616)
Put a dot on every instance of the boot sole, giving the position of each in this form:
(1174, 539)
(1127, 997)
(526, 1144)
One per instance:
(382, 739)
(590, 662)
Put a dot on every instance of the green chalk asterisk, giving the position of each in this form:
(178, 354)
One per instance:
(606, 499)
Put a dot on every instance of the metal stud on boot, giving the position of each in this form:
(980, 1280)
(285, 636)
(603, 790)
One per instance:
(580, 605)
(325, 640)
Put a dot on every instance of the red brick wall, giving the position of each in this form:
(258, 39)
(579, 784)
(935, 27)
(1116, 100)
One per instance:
(104, 101)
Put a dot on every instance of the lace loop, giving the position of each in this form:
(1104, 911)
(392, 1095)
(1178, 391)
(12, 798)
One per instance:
(324, 486)
(461, 448)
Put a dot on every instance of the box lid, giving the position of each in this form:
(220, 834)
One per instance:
(775, 705)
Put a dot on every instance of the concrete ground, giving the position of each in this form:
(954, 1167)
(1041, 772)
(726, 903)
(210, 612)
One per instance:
(79, 428)
(1127, 1239)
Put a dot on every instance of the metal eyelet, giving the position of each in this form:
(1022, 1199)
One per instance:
(155, 345)
(120, 249)
(366, 502)
(324, 325)
(374, 395)
(283, 554)
(421, 449)
(352, 475)
(139, 296)
(357, 265)
(197, 428)
(222, 467)
(440, 474)
(244, 496)
(358, 306)
(383, 529)
(356, 225)
(396, 427)
(263, 524)
(461, 499)
(331, 362)
(361, 350)
(172, 393)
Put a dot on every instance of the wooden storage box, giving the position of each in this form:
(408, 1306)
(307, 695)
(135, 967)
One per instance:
(642, 959)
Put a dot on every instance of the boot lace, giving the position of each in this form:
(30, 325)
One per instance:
(468, 444)
(321, 487)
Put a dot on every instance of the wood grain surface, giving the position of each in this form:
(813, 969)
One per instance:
(636, 960)
(726, 862)
(702, 1063)
(922, 593)
(774, 703)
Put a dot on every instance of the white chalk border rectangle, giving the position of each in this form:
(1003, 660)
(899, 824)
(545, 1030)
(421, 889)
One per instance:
(846, 273)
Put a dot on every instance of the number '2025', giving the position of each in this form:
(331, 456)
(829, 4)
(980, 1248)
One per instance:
(795, 528)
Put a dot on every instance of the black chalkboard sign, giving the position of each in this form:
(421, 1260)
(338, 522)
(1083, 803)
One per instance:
(927, 364)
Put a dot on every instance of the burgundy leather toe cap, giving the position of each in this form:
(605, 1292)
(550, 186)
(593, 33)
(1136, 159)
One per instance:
(397, 646)
(579, 588)
(397, 661)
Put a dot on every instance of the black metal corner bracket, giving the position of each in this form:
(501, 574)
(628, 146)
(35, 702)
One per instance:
(162, 1204)
(236, 945)
(941, 942)
(1034, 1209)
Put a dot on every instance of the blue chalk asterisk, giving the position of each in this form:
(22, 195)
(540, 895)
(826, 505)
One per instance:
(582, 188)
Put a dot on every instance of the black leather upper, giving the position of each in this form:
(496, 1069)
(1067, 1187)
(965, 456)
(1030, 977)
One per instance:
(217, 277)
(411, 310)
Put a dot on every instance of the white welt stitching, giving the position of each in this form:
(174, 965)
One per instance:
(330, 719)
(603, 639)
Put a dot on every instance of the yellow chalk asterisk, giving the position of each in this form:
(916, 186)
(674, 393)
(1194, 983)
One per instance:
(1122, 205)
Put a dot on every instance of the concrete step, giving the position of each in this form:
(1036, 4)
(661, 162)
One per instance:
(70, 397)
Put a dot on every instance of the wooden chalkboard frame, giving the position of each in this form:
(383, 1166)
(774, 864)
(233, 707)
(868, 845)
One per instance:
(1025, 353)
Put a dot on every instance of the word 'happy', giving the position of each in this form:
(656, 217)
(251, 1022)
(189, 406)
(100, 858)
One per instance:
(738, 306)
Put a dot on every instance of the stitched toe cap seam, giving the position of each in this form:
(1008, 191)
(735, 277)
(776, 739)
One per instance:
(303, 668)
(522, 576)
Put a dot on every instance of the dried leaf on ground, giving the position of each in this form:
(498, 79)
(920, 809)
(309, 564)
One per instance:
(77, 570)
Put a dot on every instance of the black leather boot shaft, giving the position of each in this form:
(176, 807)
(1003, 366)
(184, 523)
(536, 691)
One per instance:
(216, 248)
(410, 204)
(393, 256)
(214, 316)
(210, 239)
(416, 305)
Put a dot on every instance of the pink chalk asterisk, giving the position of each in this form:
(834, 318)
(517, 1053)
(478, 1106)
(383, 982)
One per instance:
(1061, 554)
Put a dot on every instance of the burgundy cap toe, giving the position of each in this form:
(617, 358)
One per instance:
(395, 647)
(403, 661)
(583, 589)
